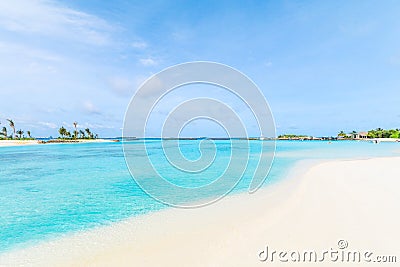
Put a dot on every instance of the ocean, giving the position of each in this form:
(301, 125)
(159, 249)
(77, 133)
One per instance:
(48, 191)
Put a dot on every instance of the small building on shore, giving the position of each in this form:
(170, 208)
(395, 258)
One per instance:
(360, 135)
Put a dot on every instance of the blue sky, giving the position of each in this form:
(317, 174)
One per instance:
(323, 66)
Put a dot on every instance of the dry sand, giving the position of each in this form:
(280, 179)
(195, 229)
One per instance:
(18, 142)
(356, 201)
(4, 143)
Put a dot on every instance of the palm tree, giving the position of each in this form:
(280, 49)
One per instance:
(62, 131)
(12, 125)
(82, 134)
(379, 132)
(75, 132)
(342, 134)
(4, 132)
(29, 134)
(20, 133)
(87, 130)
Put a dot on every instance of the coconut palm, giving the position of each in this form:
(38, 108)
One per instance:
(4, 132)
(62, 131)
(12, 125)
(87, 130)
(20, 133)
(75, 132)
(82, 134)
(29, 134)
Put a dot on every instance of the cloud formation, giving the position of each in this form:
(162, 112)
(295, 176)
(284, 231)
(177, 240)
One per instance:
(49, 18)
(139, 45)
(148, 62)
(48, 124)
(90, 108)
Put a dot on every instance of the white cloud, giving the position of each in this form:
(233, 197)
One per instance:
(181, 35)
(26, 60)
(148, 62)
(48, 18)
(139, 45)
(90, 108)
(122, 86)
(125, 86)
(48, 124)
(97, 126)
(26, 51)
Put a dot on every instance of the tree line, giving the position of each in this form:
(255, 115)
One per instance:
(5, 133)
(14, 134)
(376, 133)
(81, 134)
(381, 133)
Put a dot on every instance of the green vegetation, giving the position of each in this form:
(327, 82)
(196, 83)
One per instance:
(20, 133)
(291, 136)
(63, 132)
(342, 134)
(86, 134)
(4, 132)
(12, 126)
(377, 133)
(75, 135)
(14, 134)
(381, 133)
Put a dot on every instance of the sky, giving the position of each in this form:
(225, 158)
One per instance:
(323, 66)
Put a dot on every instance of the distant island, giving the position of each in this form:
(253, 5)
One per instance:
(14, 134)
(86, 135)
(12, 137)
(64, 133)
(378, 133)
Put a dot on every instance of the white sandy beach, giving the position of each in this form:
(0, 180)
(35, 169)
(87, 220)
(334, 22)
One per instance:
(356, 201)
(18, 142)
(5, 143)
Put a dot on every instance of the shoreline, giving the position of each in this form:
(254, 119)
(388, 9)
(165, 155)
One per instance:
(313, 206)
(7, 143)
(134, 221)
(16, 142)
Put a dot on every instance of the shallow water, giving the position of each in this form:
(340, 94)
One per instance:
(50, 190)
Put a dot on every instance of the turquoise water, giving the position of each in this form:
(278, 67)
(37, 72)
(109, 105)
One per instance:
(50, 190)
